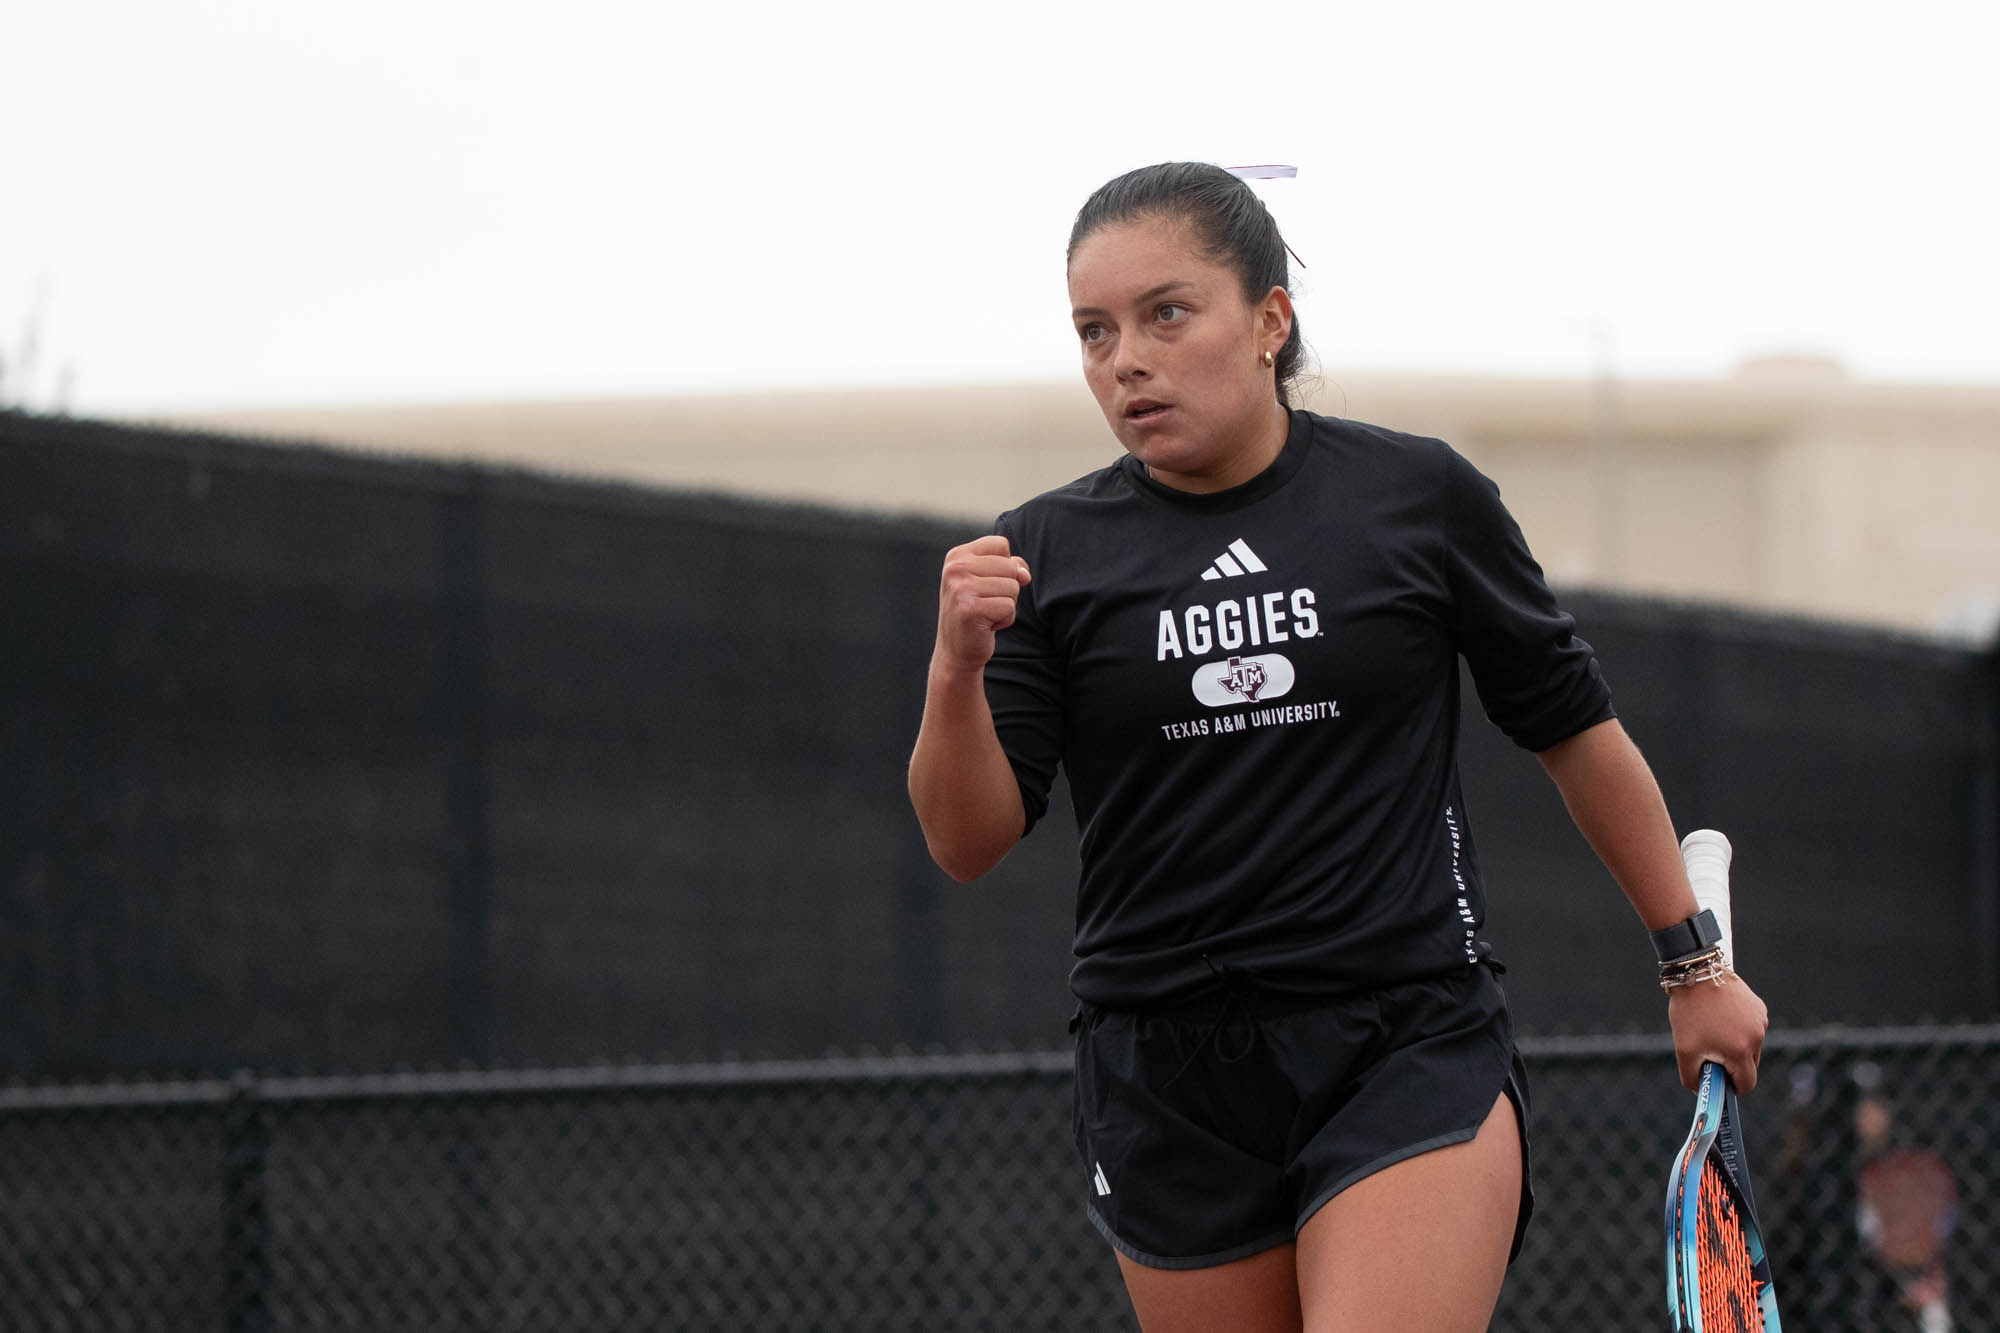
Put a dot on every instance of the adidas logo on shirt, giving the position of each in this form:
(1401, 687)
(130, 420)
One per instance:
(1235, 562)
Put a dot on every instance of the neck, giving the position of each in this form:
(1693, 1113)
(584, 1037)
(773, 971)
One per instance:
(1240, 464)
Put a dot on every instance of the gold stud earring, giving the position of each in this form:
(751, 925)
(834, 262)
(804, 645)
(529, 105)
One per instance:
(1269, 360)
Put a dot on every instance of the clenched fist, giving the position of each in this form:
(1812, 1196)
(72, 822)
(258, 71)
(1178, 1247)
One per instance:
(976, 599)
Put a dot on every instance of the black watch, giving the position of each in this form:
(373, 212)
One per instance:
(1684, 939)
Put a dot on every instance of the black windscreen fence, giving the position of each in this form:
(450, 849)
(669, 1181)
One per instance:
(321, 762)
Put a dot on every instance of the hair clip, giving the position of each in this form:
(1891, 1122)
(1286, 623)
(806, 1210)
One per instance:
(1261, 173)
(1268, 172)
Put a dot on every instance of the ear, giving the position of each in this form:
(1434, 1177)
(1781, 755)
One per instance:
(1274, 320)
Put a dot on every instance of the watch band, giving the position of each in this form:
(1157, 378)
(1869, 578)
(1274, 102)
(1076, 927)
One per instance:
(1684, 939)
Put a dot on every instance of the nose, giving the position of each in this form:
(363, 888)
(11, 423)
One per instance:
(1128, 362)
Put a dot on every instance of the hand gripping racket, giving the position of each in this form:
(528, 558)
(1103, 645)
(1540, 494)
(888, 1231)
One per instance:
(1718, 1276)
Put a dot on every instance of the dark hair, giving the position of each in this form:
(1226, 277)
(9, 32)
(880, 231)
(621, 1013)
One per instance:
(1229, 221)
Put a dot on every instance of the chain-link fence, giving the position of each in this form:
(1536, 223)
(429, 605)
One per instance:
(932, 1193)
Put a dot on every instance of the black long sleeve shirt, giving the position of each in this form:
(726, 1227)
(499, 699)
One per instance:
(1255, 696)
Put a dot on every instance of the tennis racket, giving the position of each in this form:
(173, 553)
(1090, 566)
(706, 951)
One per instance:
(1718, 1276)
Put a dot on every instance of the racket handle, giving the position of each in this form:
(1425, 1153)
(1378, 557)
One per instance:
(1706, 853)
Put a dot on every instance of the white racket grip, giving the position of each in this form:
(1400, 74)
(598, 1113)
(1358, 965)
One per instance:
(1706, 853)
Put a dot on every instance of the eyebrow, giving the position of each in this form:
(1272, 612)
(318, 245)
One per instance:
(1149, 294)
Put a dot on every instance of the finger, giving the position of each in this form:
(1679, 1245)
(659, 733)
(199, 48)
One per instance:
(1752, 1062)
(976, 589)
(997, 612)
(1742, 1070)
(1740, 1064)
(990, 613)
(991, 544)
(1009, 567)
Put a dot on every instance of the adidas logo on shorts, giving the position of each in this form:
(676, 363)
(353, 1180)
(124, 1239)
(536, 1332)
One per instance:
(1097, 1179)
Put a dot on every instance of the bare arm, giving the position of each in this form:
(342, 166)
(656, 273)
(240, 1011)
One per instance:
(961, 784)
(1612, 796)
(1618, 808)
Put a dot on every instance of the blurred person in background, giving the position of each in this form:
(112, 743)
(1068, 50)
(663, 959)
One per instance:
(1907, 1207)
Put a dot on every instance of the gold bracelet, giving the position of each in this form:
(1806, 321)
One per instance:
(1693, 960)
(1708, 965)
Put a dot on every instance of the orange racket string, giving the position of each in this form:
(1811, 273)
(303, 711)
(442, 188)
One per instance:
(1722, 1261)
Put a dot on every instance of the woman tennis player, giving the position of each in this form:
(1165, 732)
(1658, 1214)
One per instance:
(1298, 1102)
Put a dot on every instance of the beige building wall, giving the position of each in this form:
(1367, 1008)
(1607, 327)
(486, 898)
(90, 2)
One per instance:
(1784, 487)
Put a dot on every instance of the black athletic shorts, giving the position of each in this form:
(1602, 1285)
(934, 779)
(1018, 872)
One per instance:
(1214, 1131)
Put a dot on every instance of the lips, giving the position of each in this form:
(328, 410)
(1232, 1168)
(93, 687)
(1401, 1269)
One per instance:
(1145, 409)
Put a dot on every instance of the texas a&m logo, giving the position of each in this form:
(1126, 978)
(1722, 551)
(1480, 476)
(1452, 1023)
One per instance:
(1244, 678)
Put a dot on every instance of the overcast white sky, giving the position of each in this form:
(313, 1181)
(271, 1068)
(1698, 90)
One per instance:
(219, 202)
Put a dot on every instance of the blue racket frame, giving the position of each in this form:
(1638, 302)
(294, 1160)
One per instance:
(1715, 1128)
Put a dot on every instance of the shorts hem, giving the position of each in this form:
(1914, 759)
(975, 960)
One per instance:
(1219, 1257)
(1512, 1090)
(1382, 1163)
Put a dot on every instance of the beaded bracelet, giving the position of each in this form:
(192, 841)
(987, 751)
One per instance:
(1708, 965)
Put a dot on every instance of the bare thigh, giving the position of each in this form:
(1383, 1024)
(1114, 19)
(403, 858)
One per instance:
(1259, 1294)
(1418, 1247)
